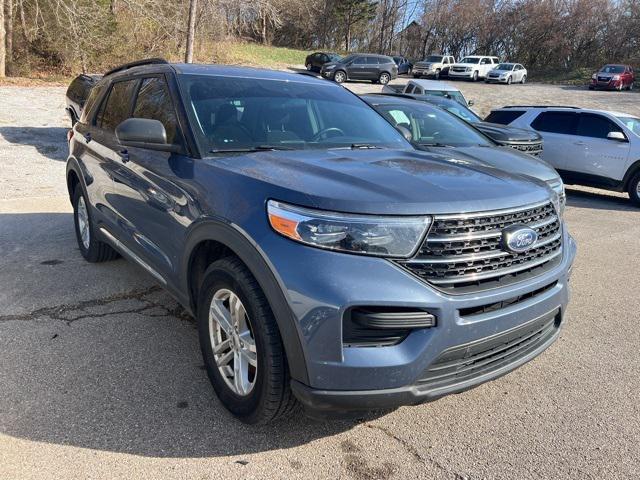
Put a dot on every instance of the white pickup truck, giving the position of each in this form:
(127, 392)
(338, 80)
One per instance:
(433, 66)
(473, 67)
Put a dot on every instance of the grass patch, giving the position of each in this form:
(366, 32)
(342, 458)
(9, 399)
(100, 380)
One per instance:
(578, 76)
(251, 54)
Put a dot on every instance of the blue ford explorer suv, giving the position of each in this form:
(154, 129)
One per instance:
(327, 262)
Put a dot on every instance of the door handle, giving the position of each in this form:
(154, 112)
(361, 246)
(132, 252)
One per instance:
(87, 137)
(124, 155)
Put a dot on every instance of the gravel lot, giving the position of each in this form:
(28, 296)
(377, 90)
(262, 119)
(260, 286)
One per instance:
(101, 375)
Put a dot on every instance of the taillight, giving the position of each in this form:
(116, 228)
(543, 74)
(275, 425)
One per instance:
(69, 135)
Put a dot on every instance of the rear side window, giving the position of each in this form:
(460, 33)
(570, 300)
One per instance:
(556, 122)
(373, 61)
(91, 100)
(505, 117)
(154, 102)
(409, 89)
(596, 126)
(117, 106)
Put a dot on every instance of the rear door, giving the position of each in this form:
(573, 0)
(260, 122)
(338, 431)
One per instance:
(601, 157)
(151, 203)
(372, 71)
(558, 129)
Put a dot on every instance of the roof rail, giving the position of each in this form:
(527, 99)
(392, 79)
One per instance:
(147, 61)
(391, 94)
(540, 106)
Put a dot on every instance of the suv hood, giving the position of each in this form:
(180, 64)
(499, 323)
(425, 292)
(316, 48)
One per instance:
(505, 158)
(382, 181)
(424, 64)
(506, 133)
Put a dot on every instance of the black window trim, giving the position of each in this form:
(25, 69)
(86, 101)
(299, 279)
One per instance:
(544, 112)
(107, 94)
(595, 114)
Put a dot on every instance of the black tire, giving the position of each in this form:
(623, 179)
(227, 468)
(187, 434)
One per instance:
(631, 86)
(474, 78)
(416, 76)
(590, 87)
(340, 76)
(384, 78)
(437, 75)
(634, 189)
(509, 81)
(524, 79)
(309, 67)
(95, 251)
(271, 396)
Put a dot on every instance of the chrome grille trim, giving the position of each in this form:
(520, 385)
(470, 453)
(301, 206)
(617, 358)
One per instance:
(465, 253)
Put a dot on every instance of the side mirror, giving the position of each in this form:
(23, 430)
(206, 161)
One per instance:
(406, 133)
(618, 136)
(143, 133)
(470, 103)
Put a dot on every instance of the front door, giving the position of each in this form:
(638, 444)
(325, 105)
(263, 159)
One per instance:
(357, 69)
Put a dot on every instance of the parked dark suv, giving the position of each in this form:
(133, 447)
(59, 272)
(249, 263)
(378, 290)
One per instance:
(324, 258)
(315, 61)
(361, 66)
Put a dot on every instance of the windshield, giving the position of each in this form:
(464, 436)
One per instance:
(432, 126)
(334, 57)
(632, 123)
(612, 69)
(236, 113)
(505, 66)
(469, 60)
(433, 58)
(451, 94)
(462, 112)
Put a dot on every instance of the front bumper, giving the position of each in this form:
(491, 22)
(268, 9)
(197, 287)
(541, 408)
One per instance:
(321, 286)
(496, 80)
(611, 85)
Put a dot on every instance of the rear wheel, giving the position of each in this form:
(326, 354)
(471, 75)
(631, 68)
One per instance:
(631, 86)
(384, 78)
(524, 79)
(92, 249)
(634, 189)
(340, 76)
(241, 344)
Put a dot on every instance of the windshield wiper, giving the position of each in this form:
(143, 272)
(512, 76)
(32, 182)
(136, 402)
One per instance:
(364, 146)
(258, 148)
(435, 145)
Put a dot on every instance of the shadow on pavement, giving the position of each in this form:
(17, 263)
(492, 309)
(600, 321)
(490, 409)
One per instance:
(598, 201)
(48, 141)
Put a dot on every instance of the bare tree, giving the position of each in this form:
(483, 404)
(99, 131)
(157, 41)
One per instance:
(191, 31)
(3, 39)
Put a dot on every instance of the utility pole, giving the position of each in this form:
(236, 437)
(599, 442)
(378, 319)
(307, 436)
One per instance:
(191, 32)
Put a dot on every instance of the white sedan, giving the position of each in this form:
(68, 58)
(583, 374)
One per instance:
(507, 73)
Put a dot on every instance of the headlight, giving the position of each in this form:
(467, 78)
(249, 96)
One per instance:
(388, 236)
(467, 69)
(560, 197)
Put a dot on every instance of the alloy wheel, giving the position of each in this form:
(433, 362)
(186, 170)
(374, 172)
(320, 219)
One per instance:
(384, 78)
(339, 77)
(233, 343)
(83, 222)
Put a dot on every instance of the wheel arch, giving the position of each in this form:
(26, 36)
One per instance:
(212, 239)
(631, 171)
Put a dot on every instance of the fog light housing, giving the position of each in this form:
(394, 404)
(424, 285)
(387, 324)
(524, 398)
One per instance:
(382, 326)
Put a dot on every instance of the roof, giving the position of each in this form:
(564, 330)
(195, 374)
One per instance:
(569, 108)
(385, 99)
(228, 71)
(434, 85)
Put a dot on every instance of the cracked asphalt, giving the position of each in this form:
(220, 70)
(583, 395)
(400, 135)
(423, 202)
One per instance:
(101, 374)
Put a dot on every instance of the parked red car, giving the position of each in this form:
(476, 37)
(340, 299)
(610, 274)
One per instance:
(613, 77)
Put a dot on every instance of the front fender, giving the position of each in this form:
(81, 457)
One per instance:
(238, 241)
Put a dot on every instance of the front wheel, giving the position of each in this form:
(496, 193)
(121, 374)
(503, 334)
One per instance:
(92, 249)
(309, 67)
(634, 189)
(437, 75)
(509, 81)
(384, 78)
(340, 76)
(241, 344)
(474, 78)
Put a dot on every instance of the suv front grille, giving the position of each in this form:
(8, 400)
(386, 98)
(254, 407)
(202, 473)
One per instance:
(459, 69)
(465, 362)
(532, 148)
(464, 253)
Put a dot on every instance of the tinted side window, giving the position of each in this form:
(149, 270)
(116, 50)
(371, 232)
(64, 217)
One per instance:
(91, 100)
(505, 117)
(596, 126)
(556, 122)
(360, 61)
(372, 61)
(409, 89)
(117, 106)
(154, 102)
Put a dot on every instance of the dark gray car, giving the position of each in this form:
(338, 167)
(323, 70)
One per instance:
(361, 66)
(326, 260)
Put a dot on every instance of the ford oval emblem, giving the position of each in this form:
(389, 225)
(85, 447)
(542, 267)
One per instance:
(518, 238)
